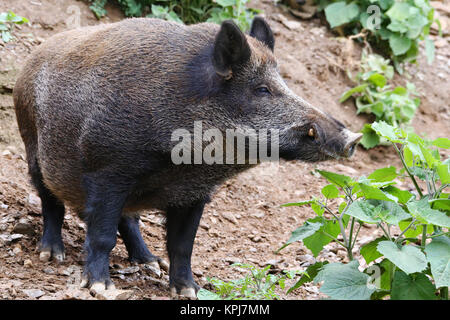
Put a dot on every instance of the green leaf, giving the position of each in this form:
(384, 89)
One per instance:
(337, 179)
(363, 211)
(317, 208)
(370, 192)
(309, 275)
(204, 294)
(344, 281)
(330, 191)
(378, 80)
(370, 138)
(412, 287)
(340, 13)
(399, 44)
(415, 229)
(438, 255)
(440, 204)
(421, 210)
(384, 174)
(376, 211)
(401, 11)
(352, 91)
(369, 251)
(443, 143)
(226, 3)
(318, 240)
(443, 173)
(407, 258)
(387, 131)
(308, 229)
(403, 196)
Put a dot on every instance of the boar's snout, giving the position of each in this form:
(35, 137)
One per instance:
(352, 141)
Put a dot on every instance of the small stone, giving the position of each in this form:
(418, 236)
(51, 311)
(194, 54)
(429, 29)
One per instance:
(198, 273)
(291, 24)
(204, 225)
(9, 238)
(230, 217)
(213, 233)
(48, 270)
(24, 227)
(7, 154)
(153, 269)
(33, 293)
(129, 270)
(272, 262)
(232, 260)
(34, 199)
(75, 293)
(255, 238)
(114, 294)
(17, 250)
(27, 263)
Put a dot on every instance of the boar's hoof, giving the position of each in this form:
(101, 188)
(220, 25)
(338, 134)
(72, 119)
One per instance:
(183, 292)
(97, 286)
(49, 252)
(163, 264)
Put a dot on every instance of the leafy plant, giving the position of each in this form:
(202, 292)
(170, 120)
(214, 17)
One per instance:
(395, 27)
(234, 10)
(187, 11)
(411, 260)
(7, 22)
(258, 284)
(374, 95)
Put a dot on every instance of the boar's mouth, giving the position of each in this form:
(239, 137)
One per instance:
(343, 146)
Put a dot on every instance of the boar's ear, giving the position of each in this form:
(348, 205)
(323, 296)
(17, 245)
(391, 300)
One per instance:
(261, 30)
(230, 49)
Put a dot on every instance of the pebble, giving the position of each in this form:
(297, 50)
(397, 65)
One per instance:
(33, 293)
(9, 238)
(34, 199)
(152, 270)
(129, 270)
(27, 263)
(255, 238)
(114, 294)
(230, 217)
(24, 227)
(232, 260)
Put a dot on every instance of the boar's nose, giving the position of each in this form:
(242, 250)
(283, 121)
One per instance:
(352, 141)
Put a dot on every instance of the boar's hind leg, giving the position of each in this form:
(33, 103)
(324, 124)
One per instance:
(53, 213)
(182, 224)
(136, 247)
(104, 203)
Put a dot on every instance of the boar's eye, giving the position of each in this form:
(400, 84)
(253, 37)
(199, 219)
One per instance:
(263, 91)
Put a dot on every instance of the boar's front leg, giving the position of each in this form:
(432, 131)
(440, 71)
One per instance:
(105, 199)
(182, 224)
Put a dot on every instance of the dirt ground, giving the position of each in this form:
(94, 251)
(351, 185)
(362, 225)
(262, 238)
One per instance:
(244, 222)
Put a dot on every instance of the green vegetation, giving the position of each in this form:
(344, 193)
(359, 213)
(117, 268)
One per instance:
(374, 95)
(394, 27)
(415, 246)
(7, 22)
(186, 11)
(258, 284)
